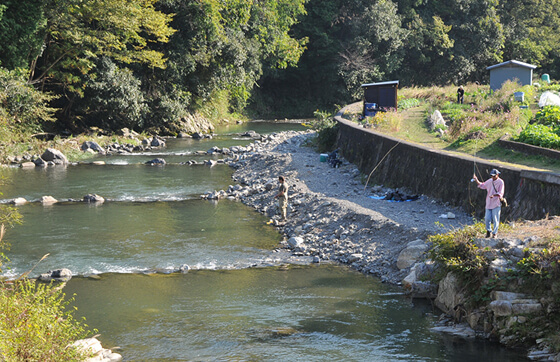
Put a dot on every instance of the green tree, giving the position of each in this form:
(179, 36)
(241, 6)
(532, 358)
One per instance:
(20, 26)
(450, 41)
(223, 46)
(532, 32)
(113, 98)
(374, 50)
(77, 33)
(350, 42)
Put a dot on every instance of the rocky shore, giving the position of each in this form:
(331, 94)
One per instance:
(332, 216)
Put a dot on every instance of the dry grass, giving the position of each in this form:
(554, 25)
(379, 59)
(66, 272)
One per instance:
(544, 230)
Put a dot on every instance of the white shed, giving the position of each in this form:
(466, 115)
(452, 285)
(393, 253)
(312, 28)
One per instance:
(510, 70)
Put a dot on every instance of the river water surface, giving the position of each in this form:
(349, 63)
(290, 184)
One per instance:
(234, 304)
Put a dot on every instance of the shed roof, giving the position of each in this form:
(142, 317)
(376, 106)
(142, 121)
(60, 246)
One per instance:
(512, 62)
(392, 82)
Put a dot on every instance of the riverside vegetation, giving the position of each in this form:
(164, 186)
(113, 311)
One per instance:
(473, 128)
(531, 251)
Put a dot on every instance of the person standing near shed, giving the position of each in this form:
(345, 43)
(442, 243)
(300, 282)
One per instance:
(460, 94)
(494, 187)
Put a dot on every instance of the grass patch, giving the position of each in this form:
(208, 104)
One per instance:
(473, 128)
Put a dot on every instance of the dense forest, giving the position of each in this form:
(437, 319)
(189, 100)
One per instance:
(145, 64)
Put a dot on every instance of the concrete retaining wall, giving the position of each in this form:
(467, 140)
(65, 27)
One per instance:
(444, 175)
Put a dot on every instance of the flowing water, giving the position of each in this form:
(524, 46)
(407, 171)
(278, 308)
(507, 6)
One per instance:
(234, 304)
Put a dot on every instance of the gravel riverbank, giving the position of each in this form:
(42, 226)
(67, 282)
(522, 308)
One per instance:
(331, 215)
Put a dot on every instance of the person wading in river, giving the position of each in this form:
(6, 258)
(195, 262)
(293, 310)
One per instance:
(494, 187)
(282, 197)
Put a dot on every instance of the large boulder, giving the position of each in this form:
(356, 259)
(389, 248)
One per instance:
(125, 132)
(436, 119)
(450, 297)
(210, 163)
(55, 156)
(250, 134)
(411, 254)
(28, 164)
(19, 201)
(99, 354)
(157, 142)
(94, 198)
(48, 200)
(417, 283)
(91, 145)
(295, 242)
(39, 162)
(58, 275)
(156, 161)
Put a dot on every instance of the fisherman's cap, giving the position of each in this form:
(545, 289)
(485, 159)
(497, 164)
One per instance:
(494, 172)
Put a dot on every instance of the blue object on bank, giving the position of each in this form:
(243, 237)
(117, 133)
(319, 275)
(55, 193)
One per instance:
(370, 109)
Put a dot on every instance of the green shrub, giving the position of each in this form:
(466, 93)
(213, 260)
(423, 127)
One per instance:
(541, 266)
(23, 109)
(390, 120)
(167, 109)
(549, 116)
(540, 135)
(555, 87)
(407, 103)
(327, 131)
(499, 101)
(37, 325)
(114, 98)
(453, 111)
(455, 252)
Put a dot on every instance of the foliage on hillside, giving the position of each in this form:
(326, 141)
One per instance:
(142, 64)
(146, 63)
(24, 111)
(420, 43)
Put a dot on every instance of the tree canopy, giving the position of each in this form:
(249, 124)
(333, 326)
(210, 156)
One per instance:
(267, 58)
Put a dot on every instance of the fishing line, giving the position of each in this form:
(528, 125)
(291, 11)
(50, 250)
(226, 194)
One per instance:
(474, 155)
(475, 168)
(379, 163)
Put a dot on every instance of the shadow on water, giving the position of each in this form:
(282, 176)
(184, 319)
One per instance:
(306, 313)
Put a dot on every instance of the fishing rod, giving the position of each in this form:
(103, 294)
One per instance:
(379, 163)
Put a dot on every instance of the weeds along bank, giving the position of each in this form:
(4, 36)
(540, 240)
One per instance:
(505, 289)
(439, 174)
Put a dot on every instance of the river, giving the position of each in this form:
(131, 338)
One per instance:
(235, 303)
